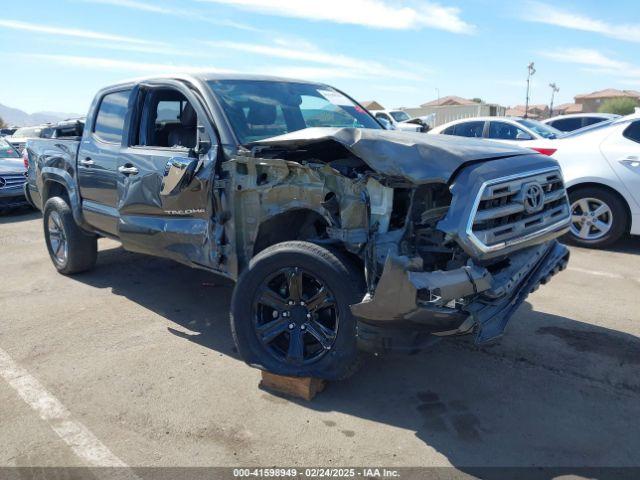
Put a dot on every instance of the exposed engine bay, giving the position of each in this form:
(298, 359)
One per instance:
(409, 227)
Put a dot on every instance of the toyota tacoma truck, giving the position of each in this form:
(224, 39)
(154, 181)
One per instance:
(341, 236)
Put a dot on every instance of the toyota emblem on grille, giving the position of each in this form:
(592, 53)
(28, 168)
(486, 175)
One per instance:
(533, 197)
(3, 182)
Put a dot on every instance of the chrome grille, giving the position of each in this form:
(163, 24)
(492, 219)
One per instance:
(12, 180)
(514, 209)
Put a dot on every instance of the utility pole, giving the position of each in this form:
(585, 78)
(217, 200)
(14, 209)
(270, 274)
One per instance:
(554, 90)
(531, 70)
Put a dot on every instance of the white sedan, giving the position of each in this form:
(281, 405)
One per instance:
(513, 130)
(601, 167)
(399, 120)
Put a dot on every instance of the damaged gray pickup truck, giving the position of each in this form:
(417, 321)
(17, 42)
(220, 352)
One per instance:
(342, 236)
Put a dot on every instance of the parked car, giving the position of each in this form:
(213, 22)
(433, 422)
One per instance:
(569, 123)
(8, 131)
(12, 177)
(400, 120)
(340, 237)
(601, 167)
(22, 134)
(68, 128)
(512, 130)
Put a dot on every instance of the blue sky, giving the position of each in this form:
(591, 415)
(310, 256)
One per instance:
(398, 52)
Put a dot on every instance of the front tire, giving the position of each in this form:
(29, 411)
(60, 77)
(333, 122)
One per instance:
(71, 250)
(598, 218)
(290, 311)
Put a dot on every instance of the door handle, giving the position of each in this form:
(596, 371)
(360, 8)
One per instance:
(128, 170)
(632, 161)
(87, 162)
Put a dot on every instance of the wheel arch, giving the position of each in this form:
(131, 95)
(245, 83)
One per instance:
(296, 224)
(59, 182)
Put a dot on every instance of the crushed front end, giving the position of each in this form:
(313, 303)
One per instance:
(461, 257)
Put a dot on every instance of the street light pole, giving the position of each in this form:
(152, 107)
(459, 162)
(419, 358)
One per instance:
(531, 70)
(554, 90)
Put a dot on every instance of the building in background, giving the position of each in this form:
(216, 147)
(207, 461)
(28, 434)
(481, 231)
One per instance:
(535, 112)
(566, 109)
(372, 105)
(449, 108)
(448, 101)
(591, 102)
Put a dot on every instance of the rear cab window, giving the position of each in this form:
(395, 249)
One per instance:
(109, 124)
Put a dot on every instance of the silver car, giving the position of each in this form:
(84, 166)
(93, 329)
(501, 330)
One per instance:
(12, 177)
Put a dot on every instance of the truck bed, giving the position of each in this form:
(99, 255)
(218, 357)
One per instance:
(46, 153)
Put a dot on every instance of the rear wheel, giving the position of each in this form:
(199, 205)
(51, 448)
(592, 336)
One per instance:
(598, 218)
(71, 250)
(290, 311)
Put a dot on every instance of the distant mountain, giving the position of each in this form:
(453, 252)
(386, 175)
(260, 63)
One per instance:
(15, 116)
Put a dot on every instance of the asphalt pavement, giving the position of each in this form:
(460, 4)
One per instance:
(134, 363)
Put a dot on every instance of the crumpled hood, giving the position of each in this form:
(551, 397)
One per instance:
(417, 157)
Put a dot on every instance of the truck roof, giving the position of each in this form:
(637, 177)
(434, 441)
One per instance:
(209, 76)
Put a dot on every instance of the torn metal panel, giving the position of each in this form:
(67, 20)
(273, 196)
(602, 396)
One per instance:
(265, 188)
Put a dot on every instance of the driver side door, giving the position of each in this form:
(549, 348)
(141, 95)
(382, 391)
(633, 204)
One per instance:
(159, 213)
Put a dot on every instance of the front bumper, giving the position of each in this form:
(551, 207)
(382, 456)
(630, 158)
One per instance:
(12, 197)
(408, 309)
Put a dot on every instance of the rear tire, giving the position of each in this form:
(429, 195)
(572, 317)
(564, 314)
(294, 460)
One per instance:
(599, 218)
(71, 249)
(290, 311)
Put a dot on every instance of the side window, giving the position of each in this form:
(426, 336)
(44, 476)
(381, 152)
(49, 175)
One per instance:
(169, 110)
(469, 129)
(567, 124)
(586, 121)
(109, 122)
(632, 132)
(168, 120)
(449, 130)
(507, 131)
(384, 116)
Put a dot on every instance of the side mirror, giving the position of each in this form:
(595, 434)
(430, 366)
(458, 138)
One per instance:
(178, 173)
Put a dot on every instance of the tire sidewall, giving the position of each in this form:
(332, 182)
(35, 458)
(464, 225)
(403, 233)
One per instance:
(335, 363)
(58, 205)
(618, 212)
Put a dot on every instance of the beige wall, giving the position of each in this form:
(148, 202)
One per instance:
(449, 113)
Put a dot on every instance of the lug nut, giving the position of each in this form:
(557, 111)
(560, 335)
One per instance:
(302, 304)
(291, 302)
(308, 315)
(291, 326)
(302, 327)
(275, 314)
